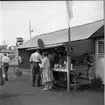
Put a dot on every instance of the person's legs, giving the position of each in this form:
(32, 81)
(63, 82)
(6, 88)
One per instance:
(46, 86)
(33, 75)
(49, 85)
(37, 75)
(39, 80)
(40, 77)
(6, 71)
(1, 77)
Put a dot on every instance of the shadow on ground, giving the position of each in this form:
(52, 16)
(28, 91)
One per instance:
(5, 96)
(79, 89)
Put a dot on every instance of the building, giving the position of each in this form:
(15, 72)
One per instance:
(3, 47)
(86, 38)
(99, 54)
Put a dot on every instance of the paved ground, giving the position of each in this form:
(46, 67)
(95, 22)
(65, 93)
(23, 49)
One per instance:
(20, 92)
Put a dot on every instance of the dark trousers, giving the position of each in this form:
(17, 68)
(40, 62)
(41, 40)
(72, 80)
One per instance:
(1, 77)
(36, 74)
(6, 66)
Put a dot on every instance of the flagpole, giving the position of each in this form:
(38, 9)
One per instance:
(69, 64)
(69, 10)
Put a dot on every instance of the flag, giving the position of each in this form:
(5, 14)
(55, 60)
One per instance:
(32, 30)
(69, 9)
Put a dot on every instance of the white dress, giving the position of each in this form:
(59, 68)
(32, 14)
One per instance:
(47, 75)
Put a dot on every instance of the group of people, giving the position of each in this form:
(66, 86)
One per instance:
(40, 65)
(41, 70)
(4, 63)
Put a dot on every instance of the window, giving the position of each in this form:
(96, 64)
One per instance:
(101, 49)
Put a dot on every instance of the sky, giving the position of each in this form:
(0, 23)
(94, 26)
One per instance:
(45, 17)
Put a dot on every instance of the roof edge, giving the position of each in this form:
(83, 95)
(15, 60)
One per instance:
(60, 30)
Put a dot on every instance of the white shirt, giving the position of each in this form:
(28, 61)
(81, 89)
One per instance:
(36, 57)
(5, 59)
(1, 56)
(45, 63)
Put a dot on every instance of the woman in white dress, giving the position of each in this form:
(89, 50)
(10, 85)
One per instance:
(47, 76)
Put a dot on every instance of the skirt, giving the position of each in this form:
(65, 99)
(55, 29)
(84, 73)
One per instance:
(47, 76)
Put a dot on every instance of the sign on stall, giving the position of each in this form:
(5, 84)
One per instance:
(40, 43)
(69, 48)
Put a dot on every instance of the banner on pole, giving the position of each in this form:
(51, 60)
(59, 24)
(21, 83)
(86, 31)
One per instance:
(69, 9)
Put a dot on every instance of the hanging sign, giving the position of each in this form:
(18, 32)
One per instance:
(40, 43)
(69, 48)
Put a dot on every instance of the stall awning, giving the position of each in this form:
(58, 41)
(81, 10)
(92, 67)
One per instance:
(53, 38)
(82, 47)
(47, 46)
(79, 47)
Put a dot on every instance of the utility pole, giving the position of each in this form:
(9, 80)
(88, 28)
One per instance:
(30, 30)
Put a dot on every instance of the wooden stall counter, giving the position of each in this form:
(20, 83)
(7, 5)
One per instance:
(60, 76)
(62, 69)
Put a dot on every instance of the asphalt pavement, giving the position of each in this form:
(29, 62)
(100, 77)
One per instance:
(18, 91)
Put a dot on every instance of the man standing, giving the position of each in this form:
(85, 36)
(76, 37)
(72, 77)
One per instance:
(35, 59)
(6, 61)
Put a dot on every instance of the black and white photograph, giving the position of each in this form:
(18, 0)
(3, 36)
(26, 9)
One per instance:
(52, 52)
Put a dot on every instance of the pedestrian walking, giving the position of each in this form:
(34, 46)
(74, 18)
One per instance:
(35, 59)
(1, 74)
(47, 76)
(6, 61)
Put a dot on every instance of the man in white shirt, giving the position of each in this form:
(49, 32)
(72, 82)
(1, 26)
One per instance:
(35, 59)
(6, 61)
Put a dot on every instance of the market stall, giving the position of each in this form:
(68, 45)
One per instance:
(79, 45)
(81, 64)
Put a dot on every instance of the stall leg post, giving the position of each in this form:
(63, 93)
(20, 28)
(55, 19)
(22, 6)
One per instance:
(93, 67)
(68, 72)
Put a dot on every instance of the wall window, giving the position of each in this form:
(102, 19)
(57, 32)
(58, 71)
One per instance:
(101, 49)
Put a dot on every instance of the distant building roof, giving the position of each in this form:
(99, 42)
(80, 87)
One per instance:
(55, 38)
(7, 51)
(3, 47)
